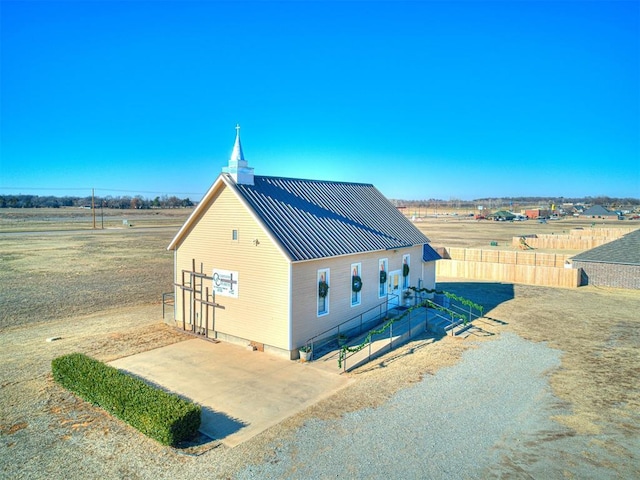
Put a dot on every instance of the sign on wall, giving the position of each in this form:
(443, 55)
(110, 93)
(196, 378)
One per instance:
(225, 283)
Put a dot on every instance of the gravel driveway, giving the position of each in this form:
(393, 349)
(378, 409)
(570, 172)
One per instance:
(467, 421)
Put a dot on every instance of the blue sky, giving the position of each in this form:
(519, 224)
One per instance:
(423, 99)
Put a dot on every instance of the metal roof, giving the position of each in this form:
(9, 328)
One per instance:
(625, 250)
(429, 254)
(318, 219)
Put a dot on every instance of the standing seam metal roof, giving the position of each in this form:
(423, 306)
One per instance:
(318, 219)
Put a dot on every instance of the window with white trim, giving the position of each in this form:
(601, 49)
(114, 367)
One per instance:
(383, 277)
(356, 284)
(323, 292)
(406, 271)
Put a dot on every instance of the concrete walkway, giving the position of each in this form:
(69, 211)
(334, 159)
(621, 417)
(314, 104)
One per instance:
(242, 392)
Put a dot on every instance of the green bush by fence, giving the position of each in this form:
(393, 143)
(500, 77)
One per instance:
(158, 414)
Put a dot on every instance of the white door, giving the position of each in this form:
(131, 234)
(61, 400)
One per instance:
(394, 288)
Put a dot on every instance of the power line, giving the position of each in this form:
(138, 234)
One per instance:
(41, 188)
(143, 191)
(97, 190)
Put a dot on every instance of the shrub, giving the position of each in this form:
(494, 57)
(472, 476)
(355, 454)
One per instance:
(160, 415)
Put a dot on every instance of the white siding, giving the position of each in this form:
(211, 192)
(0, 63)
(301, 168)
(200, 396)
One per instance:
(306, 322)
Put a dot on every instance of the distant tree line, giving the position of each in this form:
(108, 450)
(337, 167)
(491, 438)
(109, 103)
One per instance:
(166, 201)
(123, 202)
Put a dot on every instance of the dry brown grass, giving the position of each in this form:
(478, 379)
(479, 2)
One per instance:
(100, 292)
(46, 276)
(68, 218)
(598, 331)
(470, 233)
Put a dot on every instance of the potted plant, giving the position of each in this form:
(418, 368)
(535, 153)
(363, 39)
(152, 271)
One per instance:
(407, 295)
(305, 353)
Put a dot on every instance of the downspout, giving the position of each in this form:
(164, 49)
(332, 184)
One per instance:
(421, 279)
(175, 281)
(290, 290)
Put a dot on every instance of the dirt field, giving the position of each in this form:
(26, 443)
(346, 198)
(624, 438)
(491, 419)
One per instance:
(459, 231)
(100, 291)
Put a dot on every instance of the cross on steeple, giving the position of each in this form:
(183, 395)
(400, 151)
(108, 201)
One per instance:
(237, 156)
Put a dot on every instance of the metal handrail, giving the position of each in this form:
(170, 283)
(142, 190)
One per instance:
(442, 307)
(451, 320)
(426, 303)
(329, 336)
(371, 341)
(169, 299)
(464, 311)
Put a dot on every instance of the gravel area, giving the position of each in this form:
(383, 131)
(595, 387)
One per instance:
(450, 425)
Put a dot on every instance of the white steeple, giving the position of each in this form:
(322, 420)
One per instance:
(238, 167)
(237, 157)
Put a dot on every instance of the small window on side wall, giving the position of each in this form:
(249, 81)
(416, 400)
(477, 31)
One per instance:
(234, 235)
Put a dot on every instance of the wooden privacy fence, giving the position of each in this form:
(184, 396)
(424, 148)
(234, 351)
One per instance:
(510, 273)
(563, 242)
(576, 239)
(616, 232)
(507, 257)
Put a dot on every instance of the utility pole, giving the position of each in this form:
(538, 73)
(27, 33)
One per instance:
(93, 208)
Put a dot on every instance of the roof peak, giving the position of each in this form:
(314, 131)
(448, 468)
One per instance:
(278, 178)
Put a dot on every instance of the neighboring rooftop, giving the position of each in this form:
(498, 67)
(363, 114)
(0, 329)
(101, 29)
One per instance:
(598, 211)
(625, 250)
(502, 214)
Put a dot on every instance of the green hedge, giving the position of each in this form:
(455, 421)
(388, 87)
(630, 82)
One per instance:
(156, 413)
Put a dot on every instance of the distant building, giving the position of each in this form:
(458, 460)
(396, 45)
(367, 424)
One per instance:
(274, 261)
(598, 211)
(537, 213)
(502, 215)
